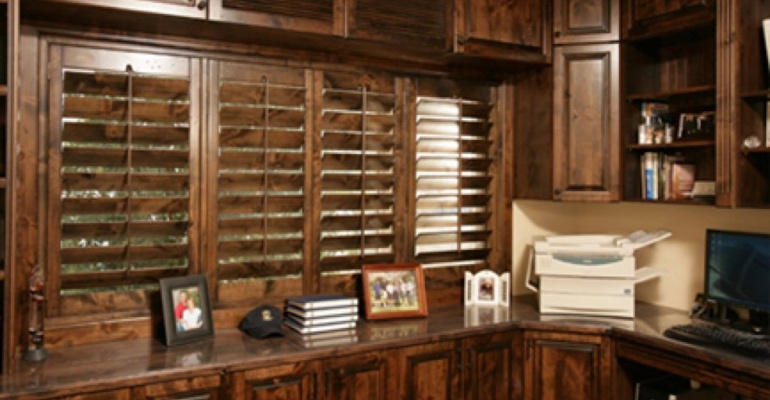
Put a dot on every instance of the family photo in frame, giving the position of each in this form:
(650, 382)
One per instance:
(394, 291)
(186, 309)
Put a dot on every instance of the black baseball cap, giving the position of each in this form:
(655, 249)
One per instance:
(262, 322)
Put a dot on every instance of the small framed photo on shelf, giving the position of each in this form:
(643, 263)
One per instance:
(394, 291)
(186, 309)
(696, 125)
(487, 288)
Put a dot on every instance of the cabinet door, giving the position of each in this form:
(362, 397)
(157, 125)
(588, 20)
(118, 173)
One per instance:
(586, 129)
(506, 29)
(179, 8)
(297, 381)
(578, 21)
(309, 16)
(561, 366)
(356, 377)
(428, 372)
(488, 367)
(413, 23)
(198, 388)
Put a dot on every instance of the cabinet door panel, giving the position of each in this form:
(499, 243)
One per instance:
(311, 16)
(179, 8)
(566, 366)
(285, 382)
(414, 23)
(508, 29)
(429, 372)
(578, 21)
(198, 388)
(489, 367)
(586, 123)
(358, 377)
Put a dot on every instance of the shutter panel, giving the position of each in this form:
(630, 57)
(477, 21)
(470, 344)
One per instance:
(453, 158)
(261, 171)
(358, 140)
(120, 168)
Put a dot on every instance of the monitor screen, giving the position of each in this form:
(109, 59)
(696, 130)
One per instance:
(738, 269)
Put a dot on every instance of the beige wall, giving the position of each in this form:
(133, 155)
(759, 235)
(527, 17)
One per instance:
(681, 255)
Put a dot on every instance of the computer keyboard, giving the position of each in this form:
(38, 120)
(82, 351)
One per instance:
(713, 335)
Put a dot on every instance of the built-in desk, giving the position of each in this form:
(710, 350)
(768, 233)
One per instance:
(231, 363)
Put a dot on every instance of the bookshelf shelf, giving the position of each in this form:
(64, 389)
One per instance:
(758, 150)
(756, 95)
(672, 146)
(669, 94)
(688, 202)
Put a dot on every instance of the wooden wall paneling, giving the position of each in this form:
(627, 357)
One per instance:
(23, 255)
(532, 125)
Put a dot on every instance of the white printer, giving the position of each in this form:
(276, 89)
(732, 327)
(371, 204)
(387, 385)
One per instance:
(590, 274)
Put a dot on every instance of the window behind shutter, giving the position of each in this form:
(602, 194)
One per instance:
(261, 172)
(358, 140)
(120, 169)
(453, 158)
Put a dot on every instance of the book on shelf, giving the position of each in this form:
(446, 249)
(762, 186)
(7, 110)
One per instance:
(663, 176)
(314, 302)
(298, 327)
(682, 180)
(321, 320)
(321, 312)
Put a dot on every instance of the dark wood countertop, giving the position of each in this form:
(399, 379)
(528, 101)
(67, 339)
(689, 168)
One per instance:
(121, 364)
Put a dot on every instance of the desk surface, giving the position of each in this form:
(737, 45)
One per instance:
(639, 340)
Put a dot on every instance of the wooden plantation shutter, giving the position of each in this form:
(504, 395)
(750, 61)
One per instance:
(260, 175)
(358, 132)
(122, 198)
(453, 161)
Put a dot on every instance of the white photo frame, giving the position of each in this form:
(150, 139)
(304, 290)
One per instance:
(487, 288)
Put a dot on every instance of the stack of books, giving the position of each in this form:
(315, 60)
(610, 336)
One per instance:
(315, 314)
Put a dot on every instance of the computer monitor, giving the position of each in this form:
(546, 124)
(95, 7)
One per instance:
(738, 269)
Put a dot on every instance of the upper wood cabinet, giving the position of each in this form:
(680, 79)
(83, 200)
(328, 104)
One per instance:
(178, 8)
(566, 366)
(586, 125)
(312, 16)
(412, 23)
(578, 21)
(504, 29)
(654, 16)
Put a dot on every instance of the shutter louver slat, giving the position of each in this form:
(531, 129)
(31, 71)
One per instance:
(123, 176)
(357, 173)
(452, 163)
(261, 175)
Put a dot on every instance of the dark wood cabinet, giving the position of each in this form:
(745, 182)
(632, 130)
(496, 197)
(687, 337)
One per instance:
(299, 381)
(577, 21)
(308, 16)
(419, 24)
(489, 370)
(430, 371)
(358, 377)
(566, 366)
(177, 8)
(586, 126)
(676, 68)
(505, 29)
(196, 388)
(747, 143)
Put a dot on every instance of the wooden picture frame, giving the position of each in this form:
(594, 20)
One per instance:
(394, 291)
(186, 309)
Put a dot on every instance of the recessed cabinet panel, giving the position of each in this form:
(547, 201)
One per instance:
(311, 16)
(577, 21)
(429, 372)
(586, 131)
(507, 29)
(413, 23)
(565, 366)
(178, 8)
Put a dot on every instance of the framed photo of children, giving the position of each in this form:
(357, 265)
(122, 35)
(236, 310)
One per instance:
(186, 309)
(394, 291)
